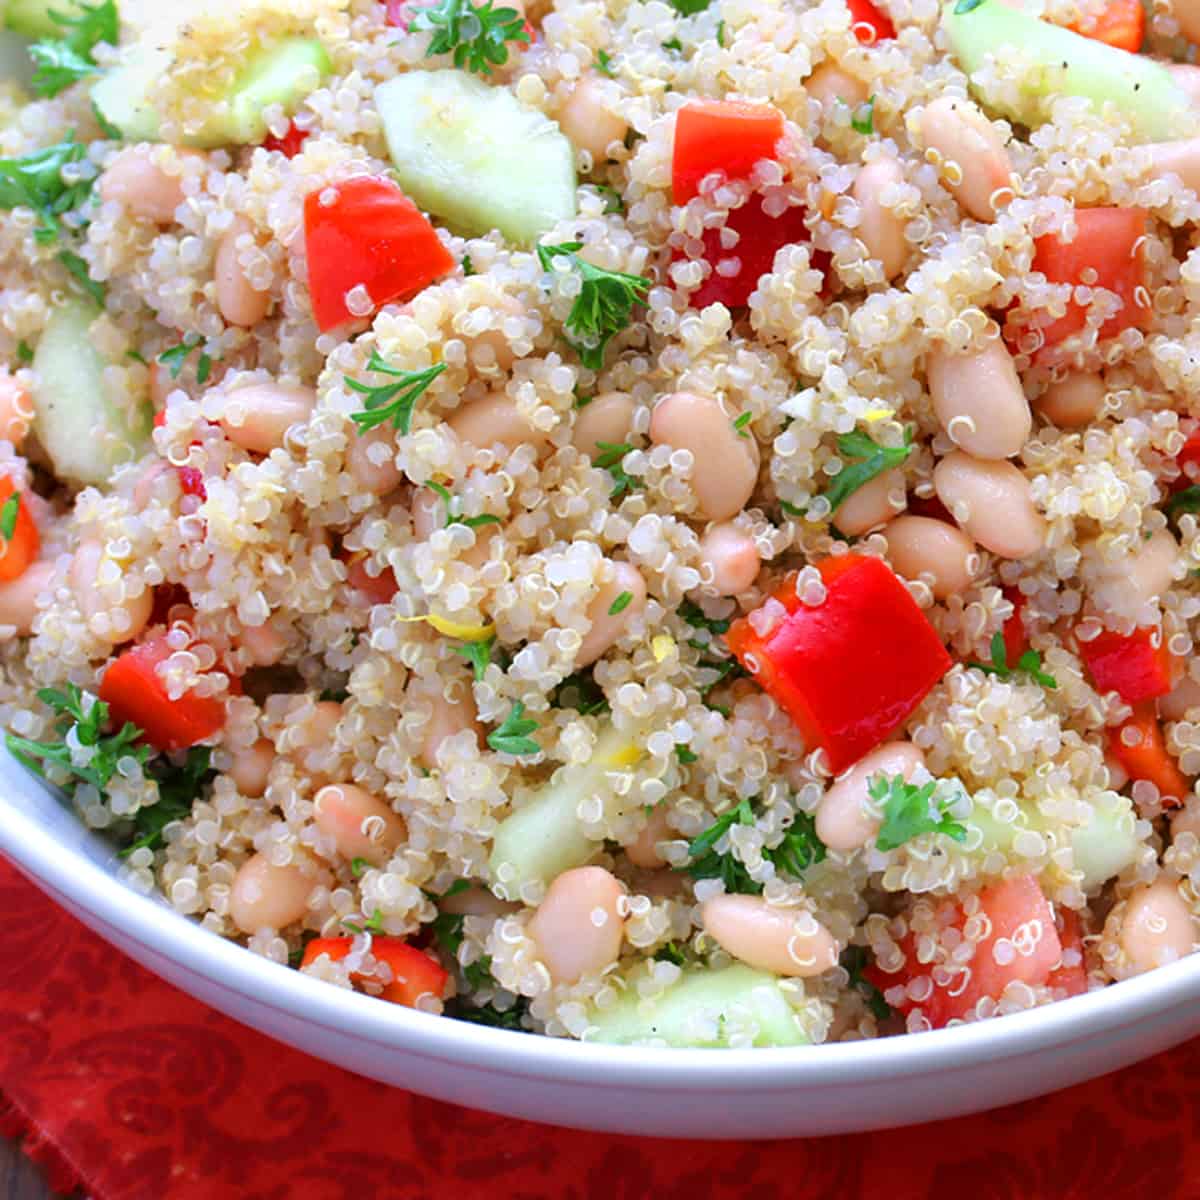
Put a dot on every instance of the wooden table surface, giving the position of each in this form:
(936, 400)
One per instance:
(19, 1178)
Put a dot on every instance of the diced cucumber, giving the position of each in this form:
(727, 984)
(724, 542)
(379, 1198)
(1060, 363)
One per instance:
(15, 64)
(85, 433)
(1107, 844)
(704, 1008)
(32, 17)
(1067, 64)
(475, 156)
(543, 838)
(283, 74)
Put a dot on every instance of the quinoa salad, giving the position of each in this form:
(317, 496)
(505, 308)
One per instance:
(668, 523)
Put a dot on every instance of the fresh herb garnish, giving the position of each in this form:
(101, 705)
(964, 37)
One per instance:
(604, 64)
(36, 181)
(610, 458)
(721, 33)
(582, 693)
(391, 401)
(448, 931)
(684, 755)
(358, 867)
(452, 508)
(864, 124)
(694, 616)
(673, 44)
(24, 352)
(372, 924)
(467, 265)
(136, 356)
(853, 959)
(966, 6)
(478, 654)
(604, 305)
(800, 848)
(909, 810)
(1187, 500)
(488, 1014)
(63, 61)
(176, 357)
(689, 8)
(620, 604)
(477, 36)
(512, 737)
(726, 669)
(110, 131)
(9, 512)
(78, 270)
(670, 953)
(1030, 662)
(704, 861)
(178, 788)
(740, 424)
(612, 198)
(479, 973)
(873, 460)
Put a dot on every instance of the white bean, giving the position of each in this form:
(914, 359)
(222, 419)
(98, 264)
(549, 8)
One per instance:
(1078, 399)
(446, 717)
(964, 137)
(643, 850)
(313, 734)
(239, 301)
(1180, 158)
(260, 415)
(724, 464)
(993, 503)
(828, 84)
(1156, 928)
(879, 227)
(606, 419)
(18, 599)
(135, 180)
(494, 420)
(929, 549)
(265, 644)
(126, 615)
(784, 941)
(16, 410)
(873, 504)
(372, 470)
(251, 767)
(264, 896)
(842, 821)
(729, 557)
(588, 119)
(607, 626)
(1186, 820)
(979, 400)
(577, 927)
(361, 825)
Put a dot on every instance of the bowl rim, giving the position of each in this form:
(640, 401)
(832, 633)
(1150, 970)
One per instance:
(68, 873)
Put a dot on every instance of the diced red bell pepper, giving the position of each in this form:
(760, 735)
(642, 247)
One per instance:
(134, 691)
(378, 589)
(1188, 461)
(191, 480)
(1147, 758)
(414, 973)
(1016, 911)
(21, 549)
(290, 144)
(1070, 976)
(396, 14)
(1016, 640)
(1129, 664)
(371, 235)
(851, 669)
(1120, 23)
(870, 24)
(721, 135)
(1108, 242)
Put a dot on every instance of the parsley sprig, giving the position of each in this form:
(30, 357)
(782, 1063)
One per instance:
(488, 1014)
(862, 120)
(853, 959)
(1186, 500)
(610, 458)
(604, 305)
(453, 515)
(1030, 662)
(581, 692)
(391, 401)
(176, 357)
(9, 513)
(178, 788)
(910, 810)
(478, 654)
(77, 268)
(873, 459)
(371, 924)
(478, 37)
(65, 60)
(512, 737)
(36, 181)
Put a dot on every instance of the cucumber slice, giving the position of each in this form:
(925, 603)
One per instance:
(475, 156)
(1067, 64)
(280, 74)
(1106, 845)
(15, 64)
(32, 17)
(85, 433)
(704, 1008)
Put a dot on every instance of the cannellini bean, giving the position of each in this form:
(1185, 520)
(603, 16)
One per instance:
(239, 301)
(979, 400)
(962, 135)
(879, 228)
(446, 718)
(1128, 586)
(361, 825)
(1183, 697)
(491, 420)
(264, 896)
(842, 822)
(251, 767)
(1156, 928)
(1186, 820)
(828, 84)
(1180, 158)
(429, 515)
(873, 504)
(127, 617)
(372, 469)
(261, 414)
(607, 626)
(588, 121)
(724, 464)
(577, 927)
(477, 902)
(730, 556)
(643, 850)
(929, 549)
(264, 643)
(606, 418)
(16, 410)
(1076, 400)
(18, 599)
(135, 180)
(314, 733)
(993, 503)
(784, 941)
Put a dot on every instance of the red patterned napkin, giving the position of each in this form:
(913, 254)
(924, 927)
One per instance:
(129, 1090)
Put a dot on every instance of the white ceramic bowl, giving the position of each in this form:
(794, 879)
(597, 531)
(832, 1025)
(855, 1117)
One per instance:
(679, 1093)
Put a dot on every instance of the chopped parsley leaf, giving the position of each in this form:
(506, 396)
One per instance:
(694, 616)
(78, 270)
(391, 401)
(512, 737)
(1187, 500)
(178, 788)
(1030, 662)
(684, 754)
(673, 44)
(477, 36)
(176, 358)
(25, 352)
(9, 512)
(864, 124)
(873, 460)
(800, 848)
(966, 6)
(909, 810)
(478, 654)
(612, 198)
(620, 604)
(358, 867)
(488, 1014)
(610, 458)
(467, 265)
(705, 862)
(448, 931)
(741, 422)
(604, 64)
(63, 61)
(721, 34)
(670, 953)
(853, 959)
(373, 923)
(582, 693)
(36, 181)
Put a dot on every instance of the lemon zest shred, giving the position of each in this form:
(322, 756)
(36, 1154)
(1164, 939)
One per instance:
(662, 645)
(455, 629)
(878, 414)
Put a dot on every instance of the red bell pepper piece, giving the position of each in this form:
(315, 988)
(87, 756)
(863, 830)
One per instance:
(1016, 911)
(134, 691)
(1120, 23)
(20, 549)
(1108, 242)
(290, 144)
(1129, 664)
(1070, 976)
(371, 235)
(851, 669)
(414, 973)
(1147, 757)
(1016, 640)
(1188, 461)
(721, 135)
(870, 24)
